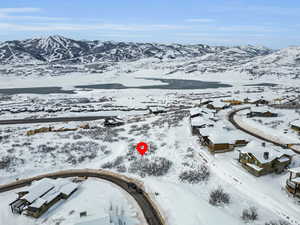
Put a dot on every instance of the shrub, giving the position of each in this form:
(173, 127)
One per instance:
(156, 167)
(80, 151)
(249, 214)
(195, 176)
(117, 162)
(219, 197)
(44, 148)
(121, 169)
(10, 162)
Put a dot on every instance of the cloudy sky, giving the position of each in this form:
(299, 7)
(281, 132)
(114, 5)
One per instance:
(273, 23)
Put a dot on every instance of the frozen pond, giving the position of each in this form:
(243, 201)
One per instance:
(171, 84)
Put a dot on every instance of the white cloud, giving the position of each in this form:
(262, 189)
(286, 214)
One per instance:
(14, 14)
(82, 27)
(19, 10)
(199, 20)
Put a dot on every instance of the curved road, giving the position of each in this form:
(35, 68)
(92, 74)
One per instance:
(231, 119)
(151, 212)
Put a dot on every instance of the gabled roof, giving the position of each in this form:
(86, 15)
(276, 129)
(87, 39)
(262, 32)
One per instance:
(220, 133)
(38, 203)
(257, 150)
(295, 123)
(219, 104)
(198, 121)
(38, 190)
(195, 111)
(68, 188)
(262, 109)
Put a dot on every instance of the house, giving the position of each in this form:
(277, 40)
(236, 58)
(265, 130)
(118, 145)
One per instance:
(218, 105)
(261, 112)
(233, 101)
(42, 195)
(295, 125)
(218, 139)
(260, 160)
(199, 122)
(195, 112)
(260, 102)
(39, 130)
(293, 182)
(112, 122)
(156, 110)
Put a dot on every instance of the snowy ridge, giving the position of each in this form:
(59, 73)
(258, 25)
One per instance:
(57, 48)
(68, 56)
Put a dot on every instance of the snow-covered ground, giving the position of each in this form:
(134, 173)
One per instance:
(96, 197)
(173, 150)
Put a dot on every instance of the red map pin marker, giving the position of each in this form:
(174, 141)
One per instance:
(142, 148)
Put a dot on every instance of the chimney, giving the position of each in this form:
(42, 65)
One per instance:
(266, 155)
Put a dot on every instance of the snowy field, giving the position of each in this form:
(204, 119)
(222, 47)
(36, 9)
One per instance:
(173, 157)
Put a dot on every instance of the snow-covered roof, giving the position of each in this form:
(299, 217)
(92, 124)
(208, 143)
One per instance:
(253, 166)
(261, 109)
(220, 133)
(257, 150)
(295, 123)
(38, 203)
(219, 104)
(295, 170)
(38, 190)
(198, 121)
(46, 190)
(296, 180)
(68, 188)
(195, 111)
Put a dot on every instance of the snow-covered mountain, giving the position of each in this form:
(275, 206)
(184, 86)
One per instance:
(285, 62)
(59, 55)
(58, 48)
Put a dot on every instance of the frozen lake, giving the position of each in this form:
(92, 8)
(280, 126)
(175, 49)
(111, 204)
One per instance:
(170, 84)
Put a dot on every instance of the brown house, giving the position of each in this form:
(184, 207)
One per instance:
(293, 182)
(261, 114)
(259, 160)
(41, 196)
(219, 140)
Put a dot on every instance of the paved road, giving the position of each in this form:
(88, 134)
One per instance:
(151, 213)
(51, 120)
(231, 119)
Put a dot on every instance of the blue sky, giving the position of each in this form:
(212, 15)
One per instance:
(273, 23)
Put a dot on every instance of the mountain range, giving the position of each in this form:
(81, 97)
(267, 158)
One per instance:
(55, 52)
